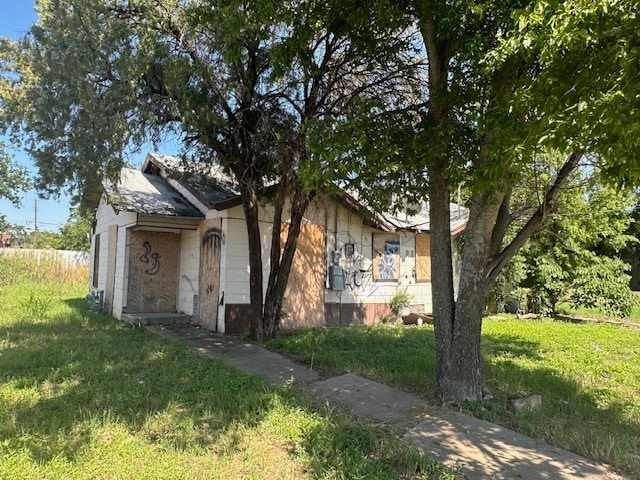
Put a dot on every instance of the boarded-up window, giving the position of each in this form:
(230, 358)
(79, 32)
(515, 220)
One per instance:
(423, 257)
(304, 295)
(386, 257)
(96, 260)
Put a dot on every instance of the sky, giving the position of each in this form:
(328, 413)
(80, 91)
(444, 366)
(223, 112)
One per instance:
(16, 16)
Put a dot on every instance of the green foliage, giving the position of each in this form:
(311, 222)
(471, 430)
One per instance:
(575, 258)
(400, 301)
(75, 233)
(13, 179)
(83, 397)
(583, 87)
(587, 375)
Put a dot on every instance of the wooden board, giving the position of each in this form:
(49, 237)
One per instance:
(209, 277)
(112, 249)
(423, 257)
(153, 272)
(386, 265)
(304, 295)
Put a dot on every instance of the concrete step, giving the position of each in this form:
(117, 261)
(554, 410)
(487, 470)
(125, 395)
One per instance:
(142, 319)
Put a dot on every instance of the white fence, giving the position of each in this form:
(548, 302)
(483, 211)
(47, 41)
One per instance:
(66, 257)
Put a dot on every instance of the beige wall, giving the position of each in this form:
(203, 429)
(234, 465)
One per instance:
(342, 227)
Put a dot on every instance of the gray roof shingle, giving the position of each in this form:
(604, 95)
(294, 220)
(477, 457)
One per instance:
(148, 195)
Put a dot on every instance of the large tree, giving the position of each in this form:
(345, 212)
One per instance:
(505, 82)
(238, 80)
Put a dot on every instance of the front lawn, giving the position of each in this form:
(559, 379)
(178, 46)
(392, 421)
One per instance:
(587, 374)
(81, 396)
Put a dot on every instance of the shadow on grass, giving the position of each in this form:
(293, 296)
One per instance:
(573, 417)
(85, 371)
(69, 374)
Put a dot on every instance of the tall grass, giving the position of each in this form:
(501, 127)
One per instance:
(82, 396)
(587, 374)
(25, 268)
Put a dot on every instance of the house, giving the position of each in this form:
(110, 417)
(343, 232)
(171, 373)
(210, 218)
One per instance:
(5, 239)
(166, 247)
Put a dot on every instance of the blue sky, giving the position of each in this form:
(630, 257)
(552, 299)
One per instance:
(16, 18)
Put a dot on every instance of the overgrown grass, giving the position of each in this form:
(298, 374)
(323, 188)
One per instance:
(588, 375)
(597, 314)
(81, 396)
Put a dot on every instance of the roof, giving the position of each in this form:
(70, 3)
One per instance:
(215, 189)
(149, 195)
(208, 183)
(420, 220)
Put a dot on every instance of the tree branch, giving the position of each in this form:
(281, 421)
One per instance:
(547, 207)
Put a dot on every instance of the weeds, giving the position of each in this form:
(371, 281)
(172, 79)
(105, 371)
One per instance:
(27, 267)
(83, 397)
(587, 374)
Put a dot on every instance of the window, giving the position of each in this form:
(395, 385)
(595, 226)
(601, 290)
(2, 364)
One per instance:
(386, 257)
(423, 257)
(96, 259)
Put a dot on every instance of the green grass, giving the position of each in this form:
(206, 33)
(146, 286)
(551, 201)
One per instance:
(81, 396)
(597, 314)
(587, 374)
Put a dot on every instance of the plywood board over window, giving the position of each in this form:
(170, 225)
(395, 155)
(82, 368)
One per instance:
(96, 260)
(304, 295)
(386, 257)
(423, 257)
(211, 241)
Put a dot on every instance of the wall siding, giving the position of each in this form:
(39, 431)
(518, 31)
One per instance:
(189, 266)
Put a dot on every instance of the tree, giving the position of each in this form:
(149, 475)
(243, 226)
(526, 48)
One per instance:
(504, 82)
(576, 257)
(238, 80)
(75, 233)
(13, 179)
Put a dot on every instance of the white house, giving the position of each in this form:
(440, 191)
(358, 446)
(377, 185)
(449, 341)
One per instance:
(164, 247)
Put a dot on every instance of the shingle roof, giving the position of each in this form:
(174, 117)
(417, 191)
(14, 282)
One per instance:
(208, 182)
(421, 221)
(149, 195)
(218, 190)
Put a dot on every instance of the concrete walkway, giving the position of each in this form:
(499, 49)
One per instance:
(479, 449)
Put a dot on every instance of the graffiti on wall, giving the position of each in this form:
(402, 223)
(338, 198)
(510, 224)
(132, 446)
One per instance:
(155, 259)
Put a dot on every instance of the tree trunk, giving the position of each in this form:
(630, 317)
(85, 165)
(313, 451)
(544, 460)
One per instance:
(281, 262)
(250, 208)
(464, 379)
(442, 277)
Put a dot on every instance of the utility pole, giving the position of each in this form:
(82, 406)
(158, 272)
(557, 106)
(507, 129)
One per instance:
(35, 223)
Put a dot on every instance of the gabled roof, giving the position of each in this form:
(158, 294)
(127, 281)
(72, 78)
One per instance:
(215, 189)
(208, 183)
(148, 195)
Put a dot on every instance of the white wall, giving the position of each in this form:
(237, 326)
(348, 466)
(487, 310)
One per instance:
(106, 217)
(235, 265)
(189, 266)
(362, 288)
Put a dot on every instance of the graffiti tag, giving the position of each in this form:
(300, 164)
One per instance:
(155, 259)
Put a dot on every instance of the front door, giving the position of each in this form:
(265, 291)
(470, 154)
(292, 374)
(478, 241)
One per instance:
(153, 272)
